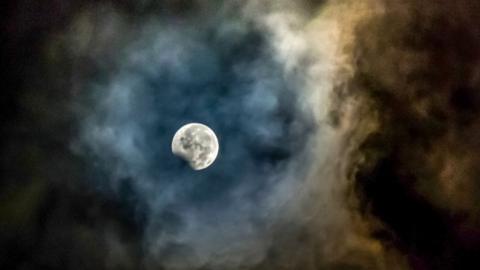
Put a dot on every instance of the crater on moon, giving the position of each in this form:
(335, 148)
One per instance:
(197, 144)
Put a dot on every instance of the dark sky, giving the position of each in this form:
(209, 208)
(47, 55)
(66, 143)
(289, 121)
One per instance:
(348, 134)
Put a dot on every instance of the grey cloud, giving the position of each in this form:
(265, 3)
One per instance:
(171, 73)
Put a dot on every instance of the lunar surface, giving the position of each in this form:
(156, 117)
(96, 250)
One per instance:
(197, 144)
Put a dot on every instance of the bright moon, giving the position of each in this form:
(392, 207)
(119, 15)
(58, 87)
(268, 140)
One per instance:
(197, 144)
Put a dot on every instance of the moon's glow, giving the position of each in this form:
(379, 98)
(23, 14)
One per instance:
(197, 144)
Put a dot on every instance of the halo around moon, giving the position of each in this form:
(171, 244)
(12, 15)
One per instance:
(197, 144)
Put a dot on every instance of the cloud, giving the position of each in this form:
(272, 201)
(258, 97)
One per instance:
(416, 79)
(275, 81)
(217, 70)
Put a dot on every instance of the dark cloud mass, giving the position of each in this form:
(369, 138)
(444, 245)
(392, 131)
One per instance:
(417, 70)
(348, 134)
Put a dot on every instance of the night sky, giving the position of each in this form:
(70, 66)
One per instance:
(349, 134)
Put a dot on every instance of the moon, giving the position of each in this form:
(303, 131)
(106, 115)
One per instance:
(197, 144)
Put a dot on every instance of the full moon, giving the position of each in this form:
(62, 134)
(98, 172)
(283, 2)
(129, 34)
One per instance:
(197, 144)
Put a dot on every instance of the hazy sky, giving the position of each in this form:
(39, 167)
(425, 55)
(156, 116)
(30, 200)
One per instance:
(347, 129)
